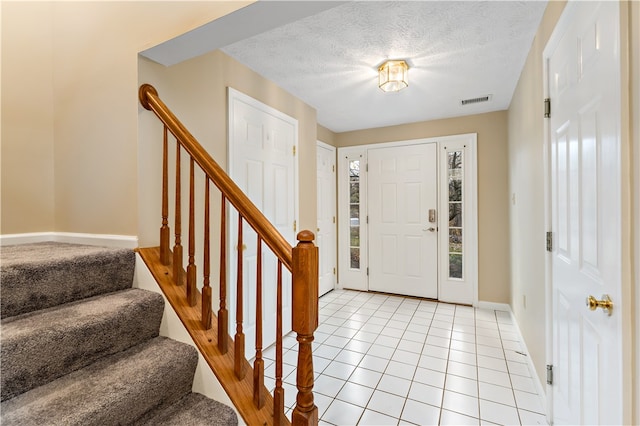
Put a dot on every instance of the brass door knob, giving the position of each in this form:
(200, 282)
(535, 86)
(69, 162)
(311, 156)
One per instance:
(606, 304)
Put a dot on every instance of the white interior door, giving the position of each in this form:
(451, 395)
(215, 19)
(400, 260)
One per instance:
(326, 236)
(584, 129)
(262, 163)
(403, 243)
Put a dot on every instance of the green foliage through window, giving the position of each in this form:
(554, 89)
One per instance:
(456, 213)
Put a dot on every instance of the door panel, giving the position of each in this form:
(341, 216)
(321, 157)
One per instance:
(402, 189)
(584, 87)
(262, 164)
(326, 237)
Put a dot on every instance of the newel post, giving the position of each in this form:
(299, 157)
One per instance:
(305, 322)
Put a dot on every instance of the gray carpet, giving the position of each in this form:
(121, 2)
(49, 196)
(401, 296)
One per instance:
(42, 275)
(77, 349)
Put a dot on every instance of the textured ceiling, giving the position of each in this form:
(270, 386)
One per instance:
(327, 53)
(456, 50)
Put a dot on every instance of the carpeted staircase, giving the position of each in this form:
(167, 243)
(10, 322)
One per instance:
(79, 346)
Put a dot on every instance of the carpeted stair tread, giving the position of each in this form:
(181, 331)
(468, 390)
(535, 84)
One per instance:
(42, 275)
(115, 390)
(192, 410)
(73, 336)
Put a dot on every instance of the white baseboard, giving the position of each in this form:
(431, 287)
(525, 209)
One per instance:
(536, 379)
(541, 390)
(104, 240)
(32, 237)
(494, 306)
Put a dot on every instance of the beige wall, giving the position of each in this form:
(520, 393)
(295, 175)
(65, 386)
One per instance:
(71, 69)
(196, 91)
(27, 171)
(493, 234)
(526, 178)
(327, 136)
(634, 49)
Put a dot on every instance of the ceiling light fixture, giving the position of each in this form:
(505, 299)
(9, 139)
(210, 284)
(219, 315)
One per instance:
(393, 76)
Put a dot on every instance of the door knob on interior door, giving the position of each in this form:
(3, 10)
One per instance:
(606, 304)
(430, 229)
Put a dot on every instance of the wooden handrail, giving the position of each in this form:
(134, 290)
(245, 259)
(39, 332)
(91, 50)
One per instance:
(224, 353)
(273, 239)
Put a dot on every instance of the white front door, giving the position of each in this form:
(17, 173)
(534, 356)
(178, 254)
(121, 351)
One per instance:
(583, 71)
(326, 232)
(403, 243)
(262, 164)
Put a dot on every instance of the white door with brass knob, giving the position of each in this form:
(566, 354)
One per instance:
(583, 72)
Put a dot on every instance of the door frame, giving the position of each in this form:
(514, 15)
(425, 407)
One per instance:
(360, 151)
(334, 151)
(627, 217)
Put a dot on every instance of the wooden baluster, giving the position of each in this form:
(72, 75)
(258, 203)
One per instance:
(178, 274)
(305, 322)
(164, 230)
(191, 267)
(239, 337)
(206, 289)
(278, 392)
(223, 314)
(258, 363)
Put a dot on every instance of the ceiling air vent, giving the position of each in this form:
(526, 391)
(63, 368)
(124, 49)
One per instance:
(470, 101)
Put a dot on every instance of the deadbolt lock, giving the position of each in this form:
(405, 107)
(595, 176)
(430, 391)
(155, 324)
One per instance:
(432, 215)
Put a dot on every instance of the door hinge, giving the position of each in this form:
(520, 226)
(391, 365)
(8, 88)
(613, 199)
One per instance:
(366, 167)
(549, 374)
(294, 150)
(333, 169)
(295, 226)
(367, 218)
(547, 107)
(334, 271)
(367, 271)
(334, 219)
(549, 241)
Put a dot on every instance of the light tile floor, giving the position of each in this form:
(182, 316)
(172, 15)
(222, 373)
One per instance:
(391, 360)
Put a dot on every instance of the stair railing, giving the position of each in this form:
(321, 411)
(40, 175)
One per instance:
(301, 261)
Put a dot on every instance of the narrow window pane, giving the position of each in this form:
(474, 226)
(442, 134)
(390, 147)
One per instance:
(354, 214)
(354, 168)
(455, 266)
(355, 236)
(455, 189)
(455, 240)
(455, 176)
(455, 160)
(354, 193)
(355, 258)
(455, 215)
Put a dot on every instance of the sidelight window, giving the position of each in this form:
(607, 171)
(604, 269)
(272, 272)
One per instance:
(456, 211)
(354, 213)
